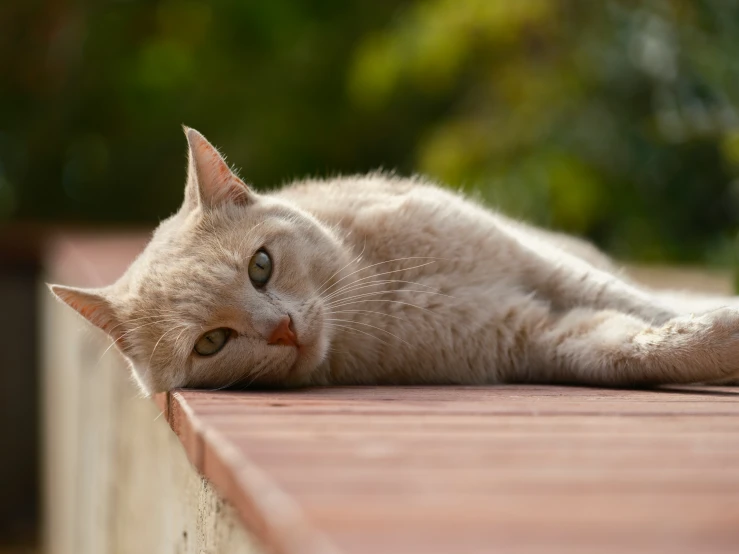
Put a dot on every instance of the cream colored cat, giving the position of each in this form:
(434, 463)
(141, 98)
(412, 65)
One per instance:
(377, 279)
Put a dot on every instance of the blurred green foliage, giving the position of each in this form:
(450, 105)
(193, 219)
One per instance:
(615, 120)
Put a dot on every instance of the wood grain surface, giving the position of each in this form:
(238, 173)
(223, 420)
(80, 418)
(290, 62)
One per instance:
(462, 469)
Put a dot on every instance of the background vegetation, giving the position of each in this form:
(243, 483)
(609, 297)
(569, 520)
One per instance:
(615, 120)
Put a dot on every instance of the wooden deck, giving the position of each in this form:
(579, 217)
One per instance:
(458, 469)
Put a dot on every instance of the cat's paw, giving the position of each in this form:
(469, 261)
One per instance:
(722, 321)
(709, 341)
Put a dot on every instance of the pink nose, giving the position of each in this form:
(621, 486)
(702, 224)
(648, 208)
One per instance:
(284, 333)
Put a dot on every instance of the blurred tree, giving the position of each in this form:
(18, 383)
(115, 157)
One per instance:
(616, 120)
(92, 96)
(612, 119)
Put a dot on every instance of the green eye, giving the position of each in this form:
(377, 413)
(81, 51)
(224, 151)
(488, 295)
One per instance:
(260, 268)
(212, 341)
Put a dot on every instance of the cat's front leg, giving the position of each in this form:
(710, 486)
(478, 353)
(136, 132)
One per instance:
(604, 347)
(567, 281)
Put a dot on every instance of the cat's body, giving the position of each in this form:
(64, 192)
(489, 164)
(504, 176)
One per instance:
(382, 280)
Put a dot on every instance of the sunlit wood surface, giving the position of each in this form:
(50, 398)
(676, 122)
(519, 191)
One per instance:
(461, 469)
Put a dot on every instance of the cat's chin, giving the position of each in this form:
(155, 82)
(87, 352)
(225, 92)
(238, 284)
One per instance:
(308, 359)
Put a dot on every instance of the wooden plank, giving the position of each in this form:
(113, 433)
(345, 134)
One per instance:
(268, 513)
(465, 469)
(499, 400)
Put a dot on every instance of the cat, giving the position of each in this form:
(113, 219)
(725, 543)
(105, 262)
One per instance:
(377, 279)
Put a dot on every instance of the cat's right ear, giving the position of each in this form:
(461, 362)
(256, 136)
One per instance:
(93, 305)
(210, 182)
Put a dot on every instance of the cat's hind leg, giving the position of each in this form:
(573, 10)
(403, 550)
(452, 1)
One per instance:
(605, 347)
(569, 282)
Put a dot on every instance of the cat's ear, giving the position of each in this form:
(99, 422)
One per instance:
(210, 182)
(94, 306)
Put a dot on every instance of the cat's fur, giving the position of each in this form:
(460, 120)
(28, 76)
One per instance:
(394, 281)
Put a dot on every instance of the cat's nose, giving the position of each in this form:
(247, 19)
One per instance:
(284, 333)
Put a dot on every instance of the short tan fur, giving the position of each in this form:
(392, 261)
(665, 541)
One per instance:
(379, 279)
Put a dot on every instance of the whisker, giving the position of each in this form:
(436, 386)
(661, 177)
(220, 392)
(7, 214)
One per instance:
(258, 373)
(227, 385)
(373, 326)
(132, 320)
(334, 351)
(111, 345)
(247, 235)
(357, 286)
(160, 340)
(177, 338)
(374, 276)
(364, 312)
(360, 302)
(115, 340)
(366, 294)
(374, 348)
(380, 263)
(163, 320)
(358, 257)
(361, 332)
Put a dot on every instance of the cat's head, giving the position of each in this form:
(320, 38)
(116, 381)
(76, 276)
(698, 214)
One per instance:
(225, 292)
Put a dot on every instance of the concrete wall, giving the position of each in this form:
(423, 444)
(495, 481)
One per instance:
(116, 479)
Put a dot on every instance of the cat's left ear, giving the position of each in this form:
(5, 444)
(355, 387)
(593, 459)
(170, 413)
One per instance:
(210, 182)
(94, 306)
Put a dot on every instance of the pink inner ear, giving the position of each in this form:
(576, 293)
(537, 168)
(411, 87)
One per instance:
(215, 180)
(94, 307)
(102, 317)
(236, 191)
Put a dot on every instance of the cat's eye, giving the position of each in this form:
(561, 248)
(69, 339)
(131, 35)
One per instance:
(212, 341)
(260, 268)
